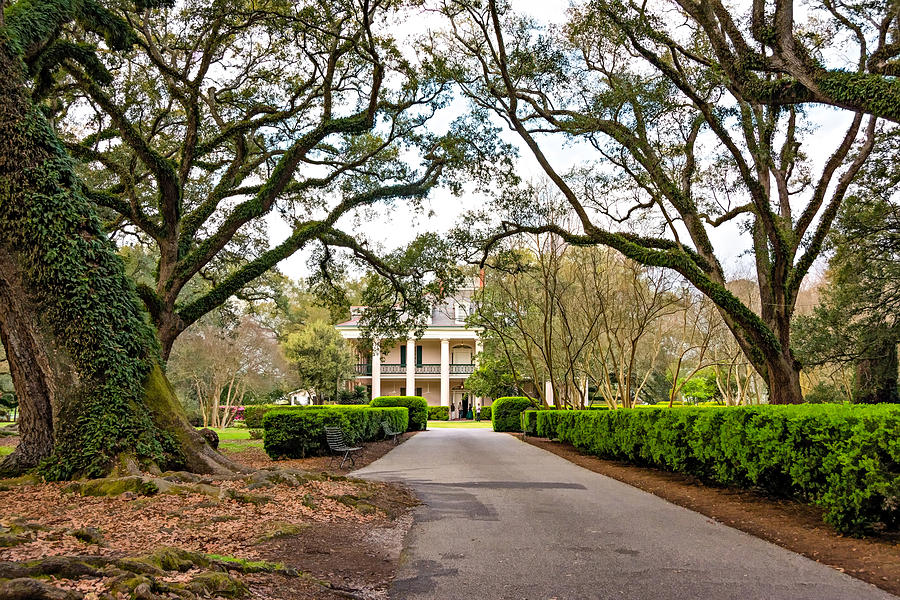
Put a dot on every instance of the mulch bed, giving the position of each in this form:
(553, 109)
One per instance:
(343, 535)
(787, 523)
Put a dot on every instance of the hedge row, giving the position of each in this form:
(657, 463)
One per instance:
(298, 432)
(438, 413)
(505, 412)
(845, 459)
(253, 415)
(486, 413)
(418, 409)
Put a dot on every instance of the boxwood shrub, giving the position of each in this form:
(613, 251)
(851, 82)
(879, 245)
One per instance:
(529, 421)
(843, 458)
(486, 413)
(505, 412)
(438, 413)
(253, 415)
(417, 405)
(298, 432)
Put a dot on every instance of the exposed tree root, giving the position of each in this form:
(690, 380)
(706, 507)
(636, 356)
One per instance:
(143, 577)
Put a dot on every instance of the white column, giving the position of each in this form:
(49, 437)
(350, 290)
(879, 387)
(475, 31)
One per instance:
(410, 367)
(585, 388)
(445, 372)
(548, 392)
(479, 348)
(376, 369)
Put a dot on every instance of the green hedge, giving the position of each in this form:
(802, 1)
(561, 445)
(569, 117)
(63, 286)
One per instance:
(529, 421)
(845, 459)
(293, 433)
(438, 413)
(253, 415)
(506, 411)
(417, 405)
(486, 413)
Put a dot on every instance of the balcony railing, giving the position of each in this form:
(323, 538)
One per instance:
(421, 369)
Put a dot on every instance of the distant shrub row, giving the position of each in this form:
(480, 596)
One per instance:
(418, 409)
(299, 431)
(438, 413)
(845, 459)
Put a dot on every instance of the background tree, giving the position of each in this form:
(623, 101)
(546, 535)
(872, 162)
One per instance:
(492, 378)
(856, 322)
(679, 146)
(322, 359)
(231, 112)
(219, 366)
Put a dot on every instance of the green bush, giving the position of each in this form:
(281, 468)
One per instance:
(506, 411)
(529, 422)
(253, 415)
(298, 432)
(843, 458)
(438, 413)
(418, 409)
(486, 413)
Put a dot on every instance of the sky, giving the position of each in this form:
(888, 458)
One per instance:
(389, 227)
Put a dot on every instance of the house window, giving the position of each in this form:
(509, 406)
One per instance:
(403, 355)
(418, 391)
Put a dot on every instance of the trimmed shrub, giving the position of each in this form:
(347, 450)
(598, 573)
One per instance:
(529, 421)
(506, 411)
(253, 415)
(843, 458)
(438, 413)
(417, 405)
(298, 432)
(486, 413)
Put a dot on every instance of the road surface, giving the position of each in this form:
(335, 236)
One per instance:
(502, 519)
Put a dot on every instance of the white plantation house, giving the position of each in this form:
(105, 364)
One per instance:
(433, 366)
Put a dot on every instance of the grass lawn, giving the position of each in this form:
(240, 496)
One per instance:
(459, 425)
(7, 424)
(232, 433)
(240, 446)
(4, 450)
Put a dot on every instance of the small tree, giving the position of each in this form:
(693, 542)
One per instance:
(322, 358)
(492, 379)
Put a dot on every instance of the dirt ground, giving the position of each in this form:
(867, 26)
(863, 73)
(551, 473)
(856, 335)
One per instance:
(320, 535)
(789, 524)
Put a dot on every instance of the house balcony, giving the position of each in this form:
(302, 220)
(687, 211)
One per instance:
(365, 369)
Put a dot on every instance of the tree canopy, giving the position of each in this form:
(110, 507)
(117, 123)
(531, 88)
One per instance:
(679, 147)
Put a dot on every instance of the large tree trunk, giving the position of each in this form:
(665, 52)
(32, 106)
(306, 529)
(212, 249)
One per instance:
(29, 366)
(783, 379)
(84, 361)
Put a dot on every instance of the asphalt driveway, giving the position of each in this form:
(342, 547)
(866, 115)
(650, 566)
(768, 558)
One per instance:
(503, 519)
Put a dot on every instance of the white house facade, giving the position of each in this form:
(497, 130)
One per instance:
(434, 365)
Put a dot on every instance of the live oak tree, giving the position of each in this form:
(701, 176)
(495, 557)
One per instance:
(681, 146)
(84, 362)
(231, 113)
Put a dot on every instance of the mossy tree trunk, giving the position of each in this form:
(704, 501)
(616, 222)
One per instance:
(93, 398)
